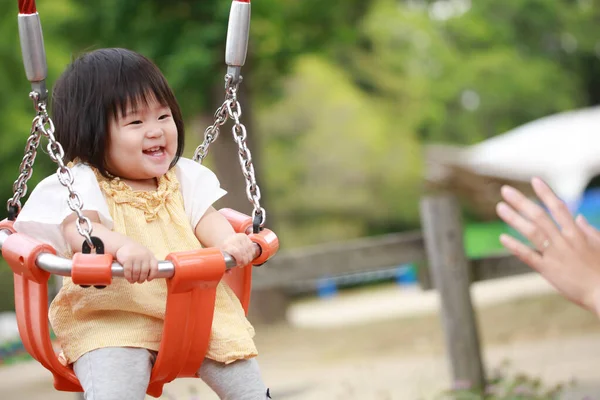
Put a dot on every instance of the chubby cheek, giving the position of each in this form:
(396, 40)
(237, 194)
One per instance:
(172, 140)
(121, 156)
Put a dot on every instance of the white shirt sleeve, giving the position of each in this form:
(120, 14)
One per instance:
(47, 207)
(200, 188)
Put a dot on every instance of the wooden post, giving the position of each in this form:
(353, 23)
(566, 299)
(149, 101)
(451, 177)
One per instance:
(268, 306)
(442, 230)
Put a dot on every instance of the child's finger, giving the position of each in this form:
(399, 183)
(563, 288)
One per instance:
(234, 252)
(249, 253)
(144, 271)
(153, 270)
(127, 271)
(135, 271)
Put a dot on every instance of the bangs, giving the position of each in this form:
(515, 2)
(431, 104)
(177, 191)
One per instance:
(136, 85)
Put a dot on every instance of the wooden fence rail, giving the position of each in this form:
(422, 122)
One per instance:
(439, 253)
(369, 254)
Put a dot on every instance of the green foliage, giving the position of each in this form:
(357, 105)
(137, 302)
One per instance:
(186, 38)
(409, 78)
(467, 78)
(7, 299)
(345, 162)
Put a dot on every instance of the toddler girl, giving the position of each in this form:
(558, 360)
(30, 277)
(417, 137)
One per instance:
(121, 127)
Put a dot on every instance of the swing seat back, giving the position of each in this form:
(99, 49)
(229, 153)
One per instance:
(189, 309)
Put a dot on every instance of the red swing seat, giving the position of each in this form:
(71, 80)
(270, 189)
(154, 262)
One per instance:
(189, 309)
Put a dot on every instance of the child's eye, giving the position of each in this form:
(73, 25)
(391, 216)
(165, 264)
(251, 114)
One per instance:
(136, 122)
(164, 116)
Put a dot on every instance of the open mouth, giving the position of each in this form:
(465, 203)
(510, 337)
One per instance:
(155, 151)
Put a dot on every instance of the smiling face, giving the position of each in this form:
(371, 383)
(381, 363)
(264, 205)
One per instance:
(142, 143)
(114, 110)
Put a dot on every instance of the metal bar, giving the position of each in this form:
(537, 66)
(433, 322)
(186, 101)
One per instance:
(238, 31)
(62, 266)
(33, 52)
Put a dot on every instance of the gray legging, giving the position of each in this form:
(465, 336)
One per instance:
(123, 373)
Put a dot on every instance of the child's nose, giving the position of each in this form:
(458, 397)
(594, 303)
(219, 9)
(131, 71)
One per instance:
(154, 131)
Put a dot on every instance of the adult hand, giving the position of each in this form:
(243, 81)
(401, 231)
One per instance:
(567, 255)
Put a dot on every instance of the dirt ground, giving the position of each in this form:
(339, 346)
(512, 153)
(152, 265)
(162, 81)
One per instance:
(404, 358)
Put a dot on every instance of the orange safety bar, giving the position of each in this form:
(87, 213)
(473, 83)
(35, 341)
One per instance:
(189, 309)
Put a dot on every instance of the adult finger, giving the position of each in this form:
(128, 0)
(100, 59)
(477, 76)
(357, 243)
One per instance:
(522, 252)
(559, 211)
(533, 213)
(591, 233)
(522, 225)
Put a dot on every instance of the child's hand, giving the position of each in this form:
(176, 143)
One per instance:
(240, 247)
(138, 262)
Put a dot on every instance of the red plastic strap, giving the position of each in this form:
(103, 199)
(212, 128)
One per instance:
(28, 7)
(31, 306)
(188, 318)
(240, 281)
(242, 1)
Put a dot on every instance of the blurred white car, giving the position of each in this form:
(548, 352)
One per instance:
(563, 149)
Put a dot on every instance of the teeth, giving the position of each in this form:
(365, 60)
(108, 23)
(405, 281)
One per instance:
(153, 149)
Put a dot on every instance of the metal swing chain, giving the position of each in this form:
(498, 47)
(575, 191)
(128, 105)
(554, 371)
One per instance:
(231, 109)
(65, 176)
(43, 125)
(212, 132)
(36, 69)
(13, 204)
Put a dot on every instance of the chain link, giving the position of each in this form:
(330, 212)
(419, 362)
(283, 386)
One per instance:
(25, 169)
(211, 133)
(231, 109)
(43, 126)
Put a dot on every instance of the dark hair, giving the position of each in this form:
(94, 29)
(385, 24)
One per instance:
(97, 87)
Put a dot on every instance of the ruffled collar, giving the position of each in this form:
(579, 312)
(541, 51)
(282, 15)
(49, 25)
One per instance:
(152, 202)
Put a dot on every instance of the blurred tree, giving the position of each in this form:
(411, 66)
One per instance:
(438, 71)
(187, 40)
(462, 74)
(354, 166)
